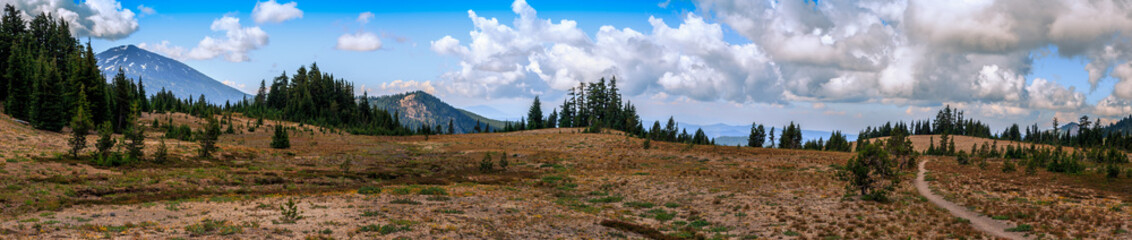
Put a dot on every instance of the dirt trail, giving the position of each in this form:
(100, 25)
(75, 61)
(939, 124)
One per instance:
(980, 222)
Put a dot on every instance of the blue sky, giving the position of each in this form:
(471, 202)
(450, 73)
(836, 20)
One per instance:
(829, 65)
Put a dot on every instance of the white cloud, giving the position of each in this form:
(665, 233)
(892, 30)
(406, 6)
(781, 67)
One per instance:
(273, 12)
(364, 17)
(1052, 96)
(448, 46)
(533, 55)
(361, 41)
(234, 47)
(1112, 106)
(145, 11)
(400, 86)
(996, 84)
(95, 18)
(1123, 88)
(914, 52)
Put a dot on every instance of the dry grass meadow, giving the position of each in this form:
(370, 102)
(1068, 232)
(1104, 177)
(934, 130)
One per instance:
(559, 184)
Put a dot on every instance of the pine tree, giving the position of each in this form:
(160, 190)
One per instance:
(208, 137)
(478, 129)
(142, 98)
(503, 163)
(757, 136)
(105, 139)
(135, 133)
(20, 80)
(771, 137)
(162, 153)
(12, 28)
(280, 140)
(451, 127)
(80, 125)
(534, 115)
(48, 110)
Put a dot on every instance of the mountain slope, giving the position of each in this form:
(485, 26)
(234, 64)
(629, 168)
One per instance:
(417, 108)
(158, 72)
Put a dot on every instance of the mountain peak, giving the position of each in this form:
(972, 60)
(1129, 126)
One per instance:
(162, 72)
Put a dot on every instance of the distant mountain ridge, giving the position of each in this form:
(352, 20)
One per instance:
(729, 135)
(420, 108)
(158, 72)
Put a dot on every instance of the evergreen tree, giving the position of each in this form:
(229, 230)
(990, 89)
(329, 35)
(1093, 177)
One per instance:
(534, 115)
(757, 136)
(11, 29)
(123, 97)
(503, 163)
(280, 140)
(208, 137)
(48, 111)
(451, 127)
(142, 98)
(105, 138)
(135, 133)
(871, 172)
(161, 155)
(80, 125)
(20, 77)
(771, 137)
(261, 95)
(477, 128)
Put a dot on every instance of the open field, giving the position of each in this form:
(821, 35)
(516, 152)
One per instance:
(560, 184)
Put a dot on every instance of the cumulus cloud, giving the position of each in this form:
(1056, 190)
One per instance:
(234, 46)
(533, 54)
(400, 86)
(914, 52)
(273, 12)
(1113, 107)
(1052, 96)
(361, 41)
(104, 19)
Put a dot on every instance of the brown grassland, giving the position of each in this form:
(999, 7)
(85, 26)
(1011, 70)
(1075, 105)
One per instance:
(559, 184)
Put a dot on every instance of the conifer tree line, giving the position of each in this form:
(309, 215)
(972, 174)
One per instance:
(315, 97)
(950, 121)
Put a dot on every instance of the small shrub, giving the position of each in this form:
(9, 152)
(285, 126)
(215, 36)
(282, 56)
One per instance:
(290, 212)
(405, 201)
(209, 227)
(280, 140)
(639, 204)
(1008, 166)
(647, 144)
(962, 158)
(609, 199)
(486, 165)
(1112, 171)
(383, 229)
(368, 190)
(438, 191)
(503, 163)
(1021, 228)
(403, 191)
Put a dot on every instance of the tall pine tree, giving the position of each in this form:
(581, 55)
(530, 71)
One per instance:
(48, 111)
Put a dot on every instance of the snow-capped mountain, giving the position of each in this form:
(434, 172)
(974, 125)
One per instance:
(158, 72)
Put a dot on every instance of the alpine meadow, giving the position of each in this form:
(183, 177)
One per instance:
(642, 119)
